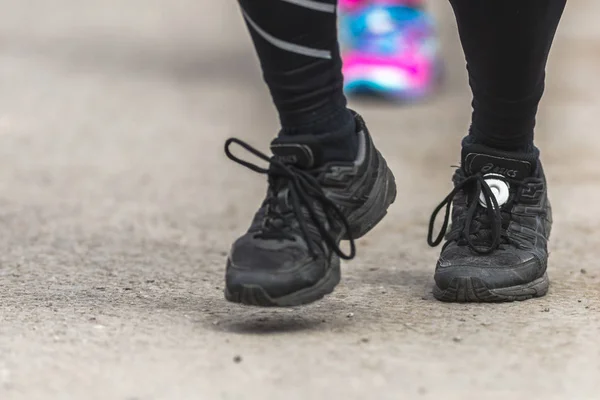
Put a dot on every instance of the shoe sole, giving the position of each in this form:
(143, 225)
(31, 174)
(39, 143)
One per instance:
(465, 290)
(254, 295)
(361, 221)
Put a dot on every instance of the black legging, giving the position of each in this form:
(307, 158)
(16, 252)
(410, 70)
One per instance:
(506, 43)
(296, 42)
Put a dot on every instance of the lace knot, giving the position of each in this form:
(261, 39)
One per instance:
(293, 192)
(483, 223)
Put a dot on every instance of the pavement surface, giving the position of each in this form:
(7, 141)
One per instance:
(117, 208)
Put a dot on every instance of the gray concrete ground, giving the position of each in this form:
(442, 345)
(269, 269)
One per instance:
(117, 207)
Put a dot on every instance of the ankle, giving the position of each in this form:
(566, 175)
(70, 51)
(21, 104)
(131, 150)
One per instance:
(335, 134)
(516, 144)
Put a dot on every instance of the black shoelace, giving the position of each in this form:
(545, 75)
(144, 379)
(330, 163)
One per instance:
(493, 215)
(303, 188)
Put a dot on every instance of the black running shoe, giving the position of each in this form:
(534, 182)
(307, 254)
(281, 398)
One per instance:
(291, 253)
(496, 249)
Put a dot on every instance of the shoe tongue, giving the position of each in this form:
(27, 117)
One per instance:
(294, 151)
(477, 158)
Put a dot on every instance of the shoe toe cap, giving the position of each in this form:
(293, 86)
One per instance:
(277, 271)
(501, 269)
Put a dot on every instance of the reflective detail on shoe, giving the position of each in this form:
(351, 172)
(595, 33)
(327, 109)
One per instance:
(500, 189)
(362, 149)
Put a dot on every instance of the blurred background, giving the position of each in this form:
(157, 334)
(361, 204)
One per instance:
(118, 206)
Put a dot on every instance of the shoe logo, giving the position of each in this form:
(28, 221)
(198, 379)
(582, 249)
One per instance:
(296, 154)
(494, 169)
(288, 159)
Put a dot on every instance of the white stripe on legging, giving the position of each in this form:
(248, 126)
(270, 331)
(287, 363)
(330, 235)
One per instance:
(314, 5)
(291, 47)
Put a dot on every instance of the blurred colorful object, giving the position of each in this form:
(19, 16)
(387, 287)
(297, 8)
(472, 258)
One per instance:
(389, 48)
